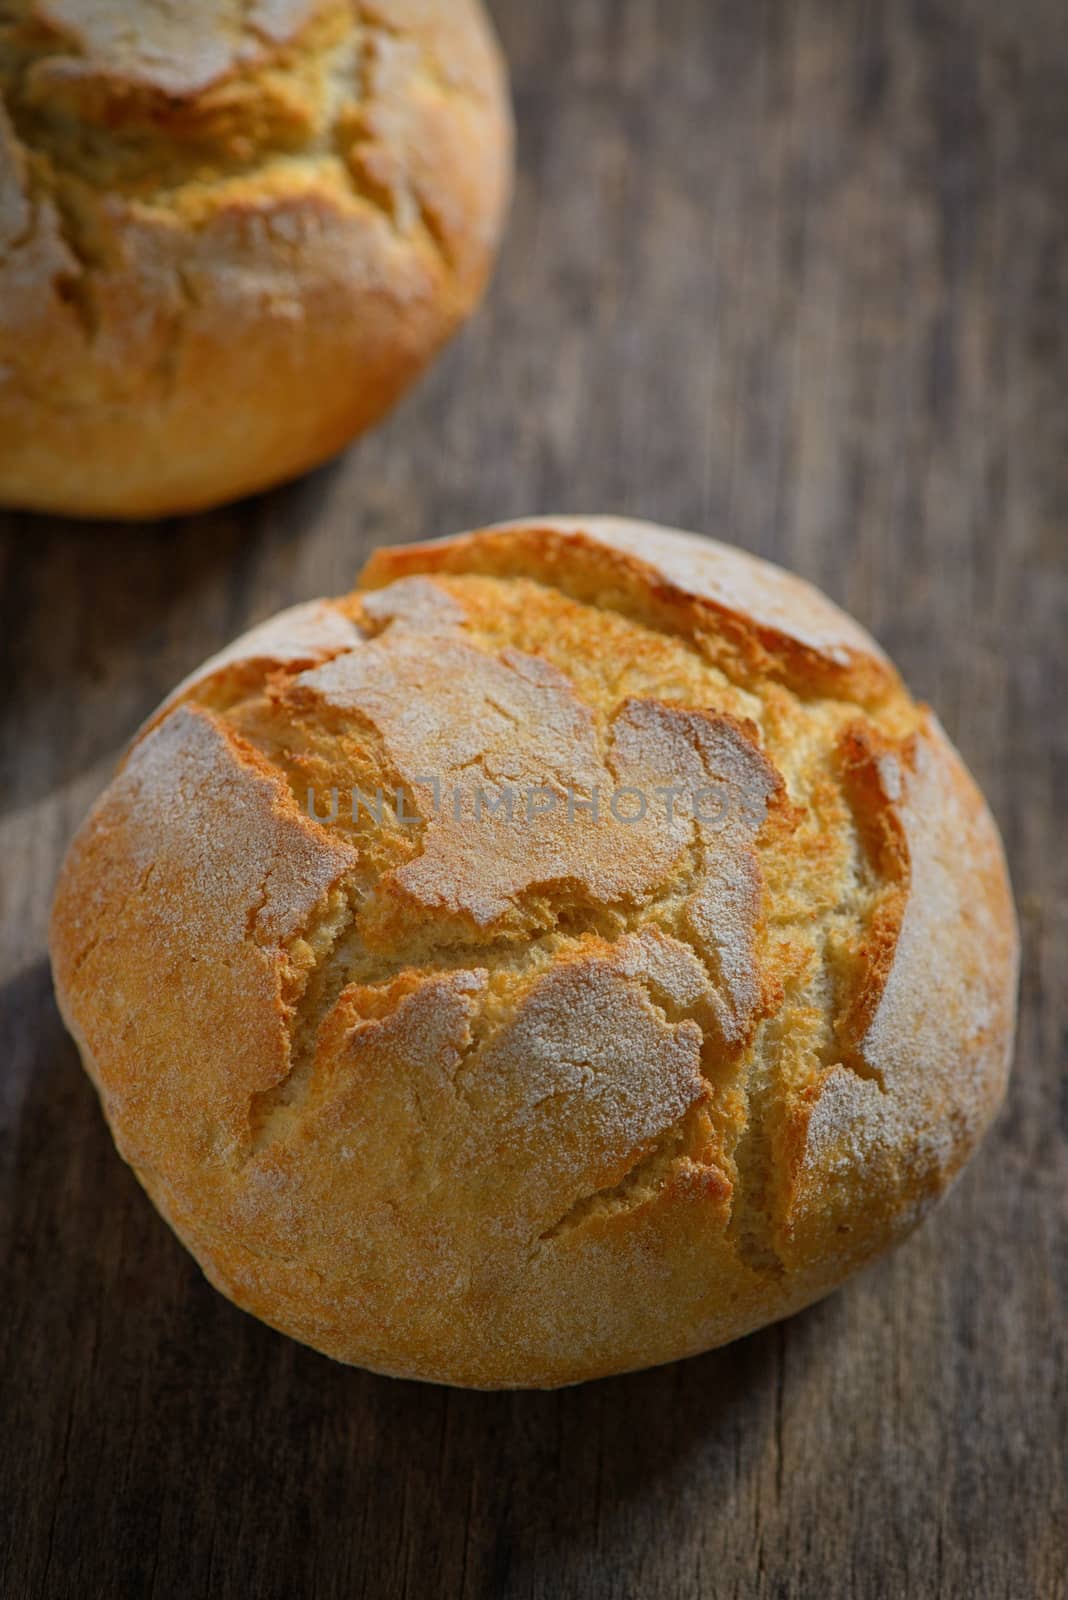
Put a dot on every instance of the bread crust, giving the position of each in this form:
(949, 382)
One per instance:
(460, 1101)
(230, 240)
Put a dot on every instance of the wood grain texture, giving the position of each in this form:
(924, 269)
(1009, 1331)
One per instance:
(795, 274)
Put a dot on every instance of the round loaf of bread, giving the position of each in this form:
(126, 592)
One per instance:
(231, 234)
(568, 952)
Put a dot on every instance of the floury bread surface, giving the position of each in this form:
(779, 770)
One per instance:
(232, 233)
(521, 1097)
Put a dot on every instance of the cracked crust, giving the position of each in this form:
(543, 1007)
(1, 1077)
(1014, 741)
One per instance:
(230, 239)
(463, 1099)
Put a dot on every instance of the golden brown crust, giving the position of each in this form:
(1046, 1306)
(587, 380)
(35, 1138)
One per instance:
(230, 240)
(467, 1099)
(750, 616)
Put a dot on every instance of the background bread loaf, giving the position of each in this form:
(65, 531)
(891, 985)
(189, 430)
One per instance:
(462, 1095)
(230, 235)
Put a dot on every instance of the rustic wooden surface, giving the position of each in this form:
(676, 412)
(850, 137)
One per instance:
(796, 274)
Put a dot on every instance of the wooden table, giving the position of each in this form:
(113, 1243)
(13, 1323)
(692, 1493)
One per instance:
(794, 274)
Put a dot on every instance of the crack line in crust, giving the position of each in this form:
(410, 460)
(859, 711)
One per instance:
(651, 1171)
